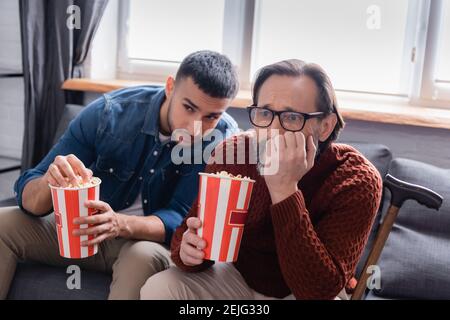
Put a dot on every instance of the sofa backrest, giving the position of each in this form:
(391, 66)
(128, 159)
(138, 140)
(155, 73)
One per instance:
(415, 262)
(69, 113)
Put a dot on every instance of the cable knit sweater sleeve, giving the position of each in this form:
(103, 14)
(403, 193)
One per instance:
(318, 261)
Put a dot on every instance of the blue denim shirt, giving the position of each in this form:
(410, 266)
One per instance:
(117, 137)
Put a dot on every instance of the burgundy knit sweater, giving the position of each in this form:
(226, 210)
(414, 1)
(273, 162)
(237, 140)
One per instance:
(310, 243)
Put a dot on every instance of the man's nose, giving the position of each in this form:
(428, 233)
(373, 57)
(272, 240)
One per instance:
(276, 126)
(194, 128)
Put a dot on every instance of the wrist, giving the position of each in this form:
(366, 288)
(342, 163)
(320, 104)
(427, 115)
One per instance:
(280, 194)
(37, 197)
(124, 226)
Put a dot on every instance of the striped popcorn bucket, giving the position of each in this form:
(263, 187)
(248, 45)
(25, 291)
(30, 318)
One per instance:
(223, 207)
(68, 204)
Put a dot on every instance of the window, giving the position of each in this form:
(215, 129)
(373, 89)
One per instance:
(155, 37)
(381, 47)
(158, 32)
(358, 52)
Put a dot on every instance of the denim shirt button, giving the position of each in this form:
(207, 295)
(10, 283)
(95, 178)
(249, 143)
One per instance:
(111, 170)
(155, 153)
(152, 171)
(145, 201)
(140, 178)
(177, 171)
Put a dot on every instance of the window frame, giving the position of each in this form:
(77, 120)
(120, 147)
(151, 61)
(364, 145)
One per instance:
(425, 87)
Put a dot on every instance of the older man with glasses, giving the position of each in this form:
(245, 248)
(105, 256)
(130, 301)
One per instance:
(308, 221)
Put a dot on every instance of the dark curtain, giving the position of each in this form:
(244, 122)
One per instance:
(52, 52)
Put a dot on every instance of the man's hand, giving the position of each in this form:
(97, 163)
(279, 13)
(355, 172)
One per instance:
(65, 170)
(106, 223)
(191, 249)
(295, 158)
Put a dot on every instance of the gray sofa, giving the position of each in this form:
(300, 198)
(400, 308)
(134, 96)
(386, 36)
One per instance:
(414, 263)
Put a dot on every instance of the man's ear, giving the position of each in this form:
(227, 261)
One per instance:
(327, 126)
(170, 85)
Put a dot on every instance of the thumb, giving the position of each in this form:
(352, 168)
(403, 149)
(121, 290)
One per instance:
(193, 223)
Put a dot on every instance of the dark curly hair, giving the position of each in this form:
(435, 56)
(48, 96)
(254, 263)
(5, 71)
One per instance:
(212, 72)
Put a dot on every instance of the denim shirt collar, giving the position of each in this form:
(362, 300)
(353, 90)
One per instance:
(151, 121)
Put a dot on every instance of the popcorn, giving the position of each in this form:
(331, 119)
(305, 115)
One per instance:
(94, 181)
(230, 175)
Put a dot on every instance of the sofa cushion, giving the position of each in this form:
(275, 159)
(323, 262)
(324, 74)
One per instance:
(41, 282)
(415, 262)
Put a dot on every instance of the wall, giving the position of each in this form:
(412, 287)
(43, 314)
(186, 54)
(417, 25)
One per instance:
(11, 89)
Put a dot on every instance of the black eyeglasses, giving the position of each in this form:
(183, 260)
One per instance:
(262, 117)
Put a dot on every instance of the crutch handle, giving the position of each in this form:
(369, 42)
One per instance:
(402, 191)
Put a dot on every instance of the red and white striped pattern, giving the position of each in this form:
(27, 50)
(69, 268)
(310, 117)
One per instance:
(68, 204)
(223, 207)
